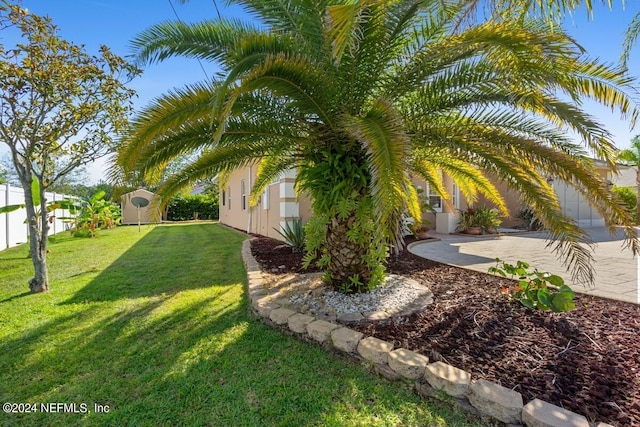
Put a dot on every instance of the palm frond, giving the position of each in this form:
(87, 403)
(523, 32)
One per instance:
(269, 169)
(382, 135)
(208, 40)
(631, 36)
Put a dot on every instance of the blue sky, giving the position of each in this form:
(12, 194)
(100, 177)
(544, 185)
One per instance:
(116, 22)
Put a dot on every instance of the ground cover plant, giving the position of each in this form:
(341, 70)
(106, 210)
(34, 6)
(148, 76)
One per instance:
(586, 360)
(156, 326)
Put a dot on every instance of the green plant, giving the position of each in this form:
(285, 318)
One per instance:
(535, 290)
(628, 197)
(62, 107)
(531, 220)
(199, 206)
(487, 220)
(293, 234)
(96, 214)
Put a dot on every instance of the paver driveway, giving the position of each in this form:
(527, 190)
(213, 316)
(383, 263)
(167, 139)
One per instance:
(616, 268)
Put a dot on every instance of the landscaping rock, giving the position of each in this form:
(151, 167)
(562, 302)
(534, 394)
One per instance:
(264, 306)
(453, 381)
(538, 413)
(298, 322)
(424, 389)
(375, 350)
(408, 363)
(350, 317)
(385, 371)
(280, 316)
(346, 339)
(320, 330)
(496, 401)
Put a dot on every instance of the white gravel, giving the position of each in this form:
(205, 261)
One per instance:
(394, 293)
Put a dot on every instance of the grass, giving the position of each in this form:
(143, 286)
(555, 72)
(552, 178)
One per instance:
(156, 326)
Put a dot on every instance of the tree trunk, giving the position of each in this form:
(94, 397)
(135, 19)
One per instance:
(346, 258)
(38, 236)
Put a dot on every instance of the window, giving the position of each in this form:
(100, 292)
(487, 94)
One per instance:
(229, 197)
(265, 198)
(455, 197)
(224, 197)
(243, 193)
(434, 199)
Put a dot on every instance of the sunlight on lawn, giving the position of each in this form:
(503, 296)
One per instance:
(156, 327)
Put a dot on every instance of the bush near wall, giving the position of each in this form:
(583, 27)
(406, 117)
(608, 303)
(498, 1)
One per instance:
(186, 208)
(628, 197)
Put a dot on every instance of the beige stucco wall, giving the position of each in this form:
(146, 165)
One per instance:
(626, 177)
(130, 212)
(263, 218)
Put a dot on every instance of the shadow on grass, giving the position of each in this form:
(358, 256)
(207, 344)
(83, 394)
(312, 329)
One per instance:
(205, 363)
(14, 297)
(189, 353)
(167, 260)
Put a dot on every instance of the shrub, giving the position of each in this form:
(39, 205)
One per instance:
(484, 218)
(628, 197)
(185, 208)
(532, 222)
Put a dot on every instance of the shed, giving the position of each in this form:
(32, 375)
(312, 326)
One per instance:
(139, 200)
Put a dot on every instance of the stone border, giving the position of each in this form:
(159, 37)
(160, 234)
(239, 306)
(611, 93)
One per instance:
(440, 380)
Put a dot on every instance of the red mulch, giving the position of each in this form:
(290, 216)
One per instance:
(586, 360)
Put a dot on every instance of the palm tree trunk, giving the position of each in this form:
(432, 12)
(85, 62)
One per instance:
(347, 259)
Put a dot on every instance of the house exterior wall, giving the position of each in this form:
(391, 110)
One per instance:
(626, 177)
(572, 203)
(511, 199)
(279, 203)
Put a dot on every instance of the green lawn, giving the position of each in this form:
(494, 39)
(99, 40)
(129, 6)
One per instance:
(156, 326)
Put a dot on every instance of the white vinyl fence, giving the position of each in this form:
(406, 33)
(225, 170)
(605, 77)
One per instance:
(13, 230)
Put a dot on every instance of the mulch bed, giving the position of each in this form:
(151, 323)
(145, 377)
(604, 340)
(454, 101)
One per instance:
(586, 360)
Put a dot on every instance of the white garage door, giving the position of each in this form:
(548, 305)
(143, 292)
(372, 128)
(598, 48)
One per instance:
(576, 207)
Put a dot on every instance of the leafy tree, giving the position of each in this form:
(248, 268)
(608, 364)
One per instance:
(59, 109)
(631, 156)
(359, 97)
(4, 175)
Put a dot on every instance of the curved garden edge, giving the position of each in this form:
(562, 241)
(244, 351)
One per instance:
(439, 380)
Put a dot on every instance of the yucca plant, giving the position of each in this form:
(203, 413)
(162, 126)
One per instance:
(293, 234)
(359, 97)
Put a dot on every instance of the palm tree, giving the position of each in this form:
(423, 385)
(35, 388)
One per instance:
(360, 97)
(631, 156)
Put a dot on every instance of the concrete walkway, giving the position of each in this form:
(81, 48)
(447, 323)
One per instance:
(616, 269)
